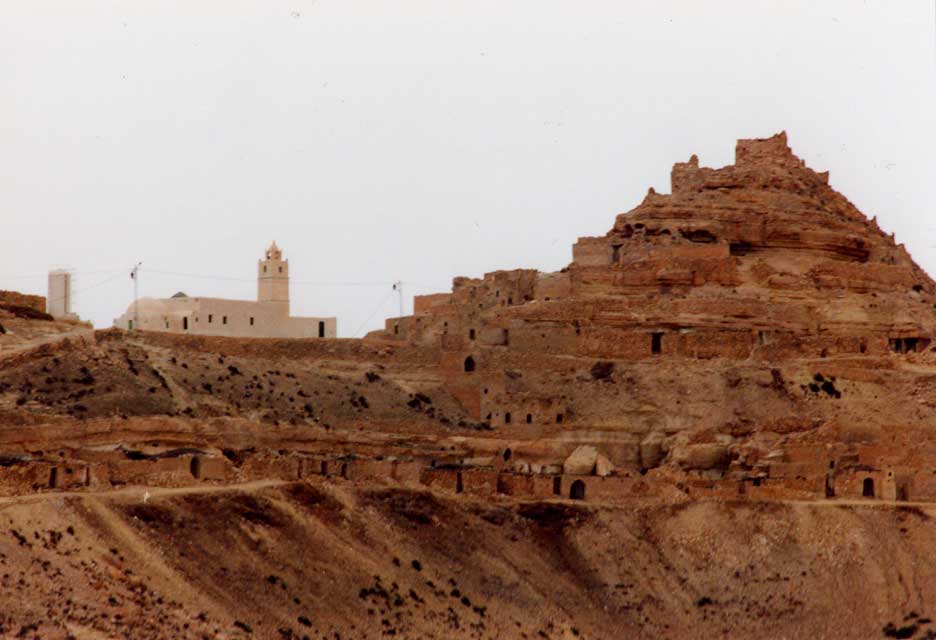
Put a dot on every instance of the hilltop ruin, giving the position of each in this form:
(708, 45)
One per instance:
(702, 326)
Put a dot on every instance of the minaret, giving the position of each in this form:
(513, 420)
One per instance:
(273, 280)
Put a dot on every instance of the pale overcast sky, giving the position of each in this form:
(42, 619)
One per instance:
(421, 140)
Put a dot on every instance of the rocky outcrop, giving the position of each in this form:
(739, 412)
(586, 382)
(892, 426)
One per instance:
(16, 299)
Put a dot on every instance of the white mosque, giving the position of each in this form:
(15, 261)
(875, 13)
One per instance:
(268, 317)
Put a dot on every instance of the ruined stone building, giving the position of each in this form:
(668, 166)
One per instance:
(268, 317)
(660, 338)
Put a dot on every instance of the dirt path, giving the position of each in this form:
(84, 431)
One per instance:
(928, 507)
(144, 493)
(28, 344)
(148, 493)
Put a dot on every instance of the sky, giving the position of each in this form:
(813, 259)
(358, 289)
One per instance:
(420, 140)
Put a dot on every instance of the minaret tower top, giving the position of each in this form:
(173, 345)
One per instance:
(273, 279)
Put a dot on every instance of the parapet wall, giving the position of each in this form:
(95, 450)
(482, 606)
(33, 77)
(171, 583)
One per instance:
(287, 349)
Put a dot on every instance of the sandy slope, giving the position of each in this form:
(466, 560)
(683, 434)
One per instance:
(330, 559)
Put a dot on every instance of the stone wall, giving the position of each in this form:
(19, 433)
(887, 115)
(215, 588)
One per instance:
(220, 317)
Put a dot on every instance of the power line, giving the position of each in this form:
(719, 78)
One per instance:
(90, 287)
(374, 312)
(322, 283)
(343, 284)
(202, 276)
(113, 274)
(28, 276)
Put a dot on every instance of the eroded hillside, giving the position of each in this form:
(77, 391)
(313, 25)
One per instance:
(338, 559)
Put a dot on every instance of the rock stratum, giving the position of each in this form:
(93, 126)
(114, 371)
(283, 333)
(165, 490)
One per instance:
(716, 421)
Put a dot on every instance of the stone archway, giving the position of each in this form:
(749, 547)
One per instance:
(577, 490)
(867, 488)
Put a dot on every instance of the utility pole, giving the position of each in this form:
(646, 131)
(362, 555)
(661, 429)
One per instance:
(398, 287)
(135, 276)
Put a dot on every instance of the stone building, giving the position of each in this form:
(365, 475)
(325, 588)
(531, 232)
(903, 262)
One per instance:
(59, 299)
(268, 317)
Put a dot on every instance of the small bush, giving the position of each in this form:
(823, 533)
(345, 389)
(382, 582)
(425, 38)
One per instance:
(602, 370)
(907, 631)
(243, 626)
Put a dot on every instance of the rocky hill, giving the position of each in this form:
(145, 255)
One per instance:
(714, 421)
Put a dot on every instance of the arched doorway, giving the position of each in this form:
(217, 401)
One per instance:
(469, 364)
(867, 488)
(195, 467)
(459, 484)
(577, 490)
